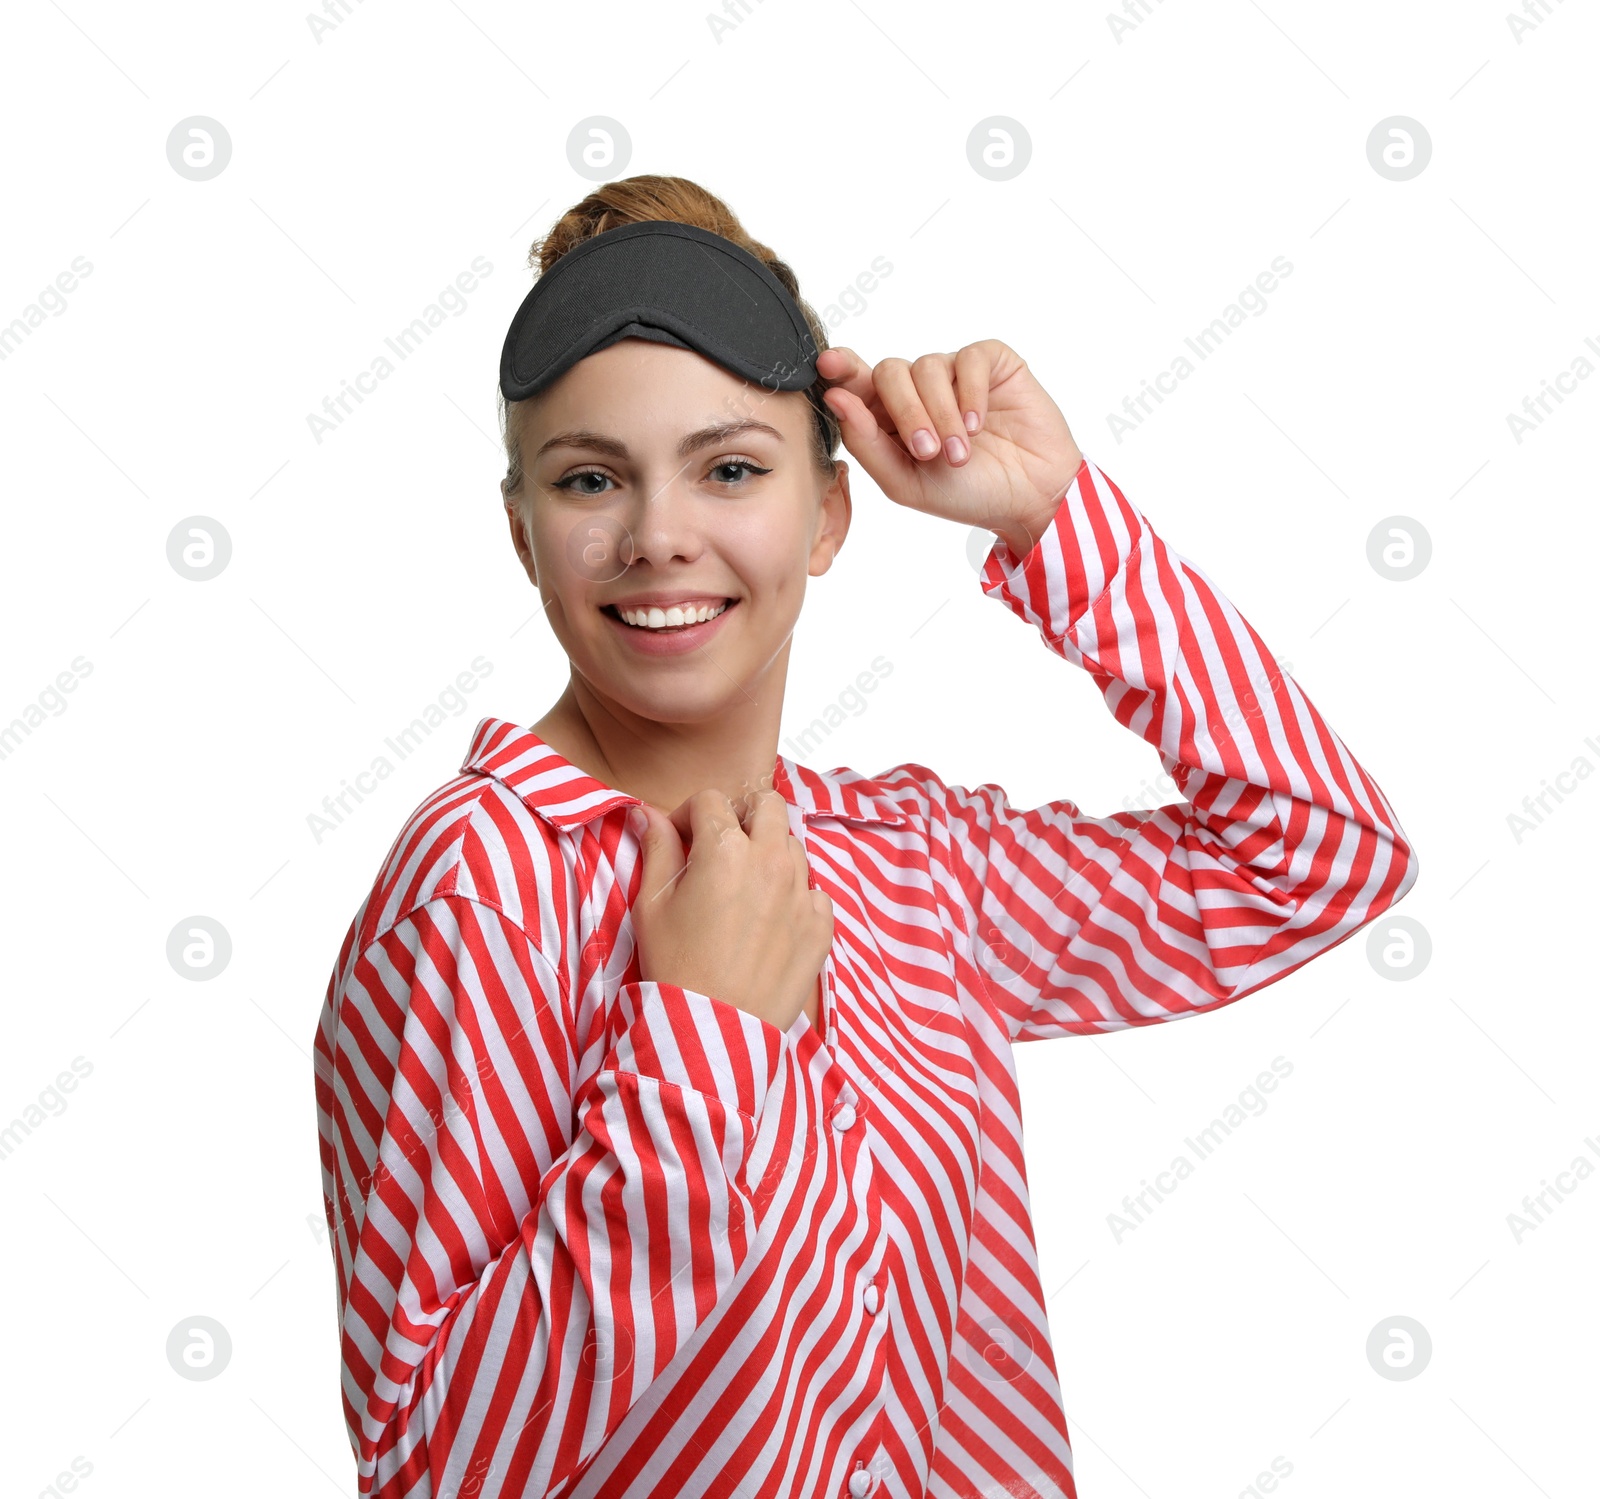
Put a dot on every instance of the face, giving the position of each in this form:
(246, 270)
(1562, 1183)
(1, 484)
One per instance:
(654, 476)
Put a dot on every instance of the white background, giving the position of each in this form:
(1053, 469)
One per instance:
(1167, 169)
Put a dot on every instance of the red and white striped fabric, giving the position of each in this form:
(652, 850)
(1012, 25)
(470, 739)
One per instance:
(600, 1236)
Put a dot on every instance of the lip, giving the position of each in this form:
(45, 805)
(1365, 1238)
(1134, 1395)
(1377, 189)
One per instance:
(668, 642)
(662, 600)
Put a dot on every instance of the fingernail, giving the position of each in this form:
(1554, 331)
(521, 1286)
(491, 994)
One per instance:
(923, 443)
(637, 822)
(955, 448)
(971, 419)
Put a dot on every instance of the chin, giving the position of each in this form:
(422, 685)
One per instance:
(679, 707)
(673, 695)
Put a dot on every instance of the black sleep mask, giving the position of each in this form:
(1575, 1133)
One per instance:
(667, 282)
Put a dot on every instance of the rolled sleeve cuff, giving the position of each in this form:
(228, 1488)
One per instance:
(1091, 537)
(697, 1041)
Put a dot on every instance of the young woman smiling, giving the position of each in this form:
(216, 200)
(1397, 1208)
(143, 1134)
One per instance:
(607, 1218)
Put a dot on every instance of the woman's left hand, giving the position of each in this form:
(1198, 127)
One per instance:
(907, 423)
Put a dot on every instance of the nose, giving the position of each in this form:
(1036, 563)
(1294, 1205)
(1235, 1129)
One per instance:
(665, 523)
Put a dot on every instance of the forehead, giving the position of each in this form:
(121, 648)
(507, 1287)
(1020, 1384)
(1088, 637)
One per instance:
(645, 388)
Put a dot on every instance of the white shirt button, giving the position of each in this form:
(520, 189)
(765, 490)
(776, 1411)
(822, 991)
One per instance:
(860, 1482)
(872, 1299)
(844, 1117)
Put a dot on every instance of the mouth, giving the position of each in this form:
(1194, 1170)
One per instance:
(616, 614)
(668, 639)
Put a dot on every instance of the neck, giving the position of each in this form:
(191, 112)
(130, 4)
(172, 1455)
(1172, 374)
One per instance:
(666, 763)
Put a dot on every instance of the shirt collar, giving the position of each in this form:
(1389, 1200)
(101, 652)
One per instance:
(565, 796)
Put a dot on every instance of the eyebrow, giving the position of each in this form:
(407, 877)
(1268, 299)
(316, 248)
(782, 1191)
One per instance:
(702, 437)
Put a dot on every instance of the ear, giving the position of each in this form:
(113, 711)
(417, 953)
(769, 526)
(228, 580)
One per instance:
(833, 522)
(519, 535)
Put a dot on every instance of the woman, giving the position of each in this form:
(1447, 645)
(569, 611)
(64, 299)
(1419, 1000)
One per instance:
(607, 1217)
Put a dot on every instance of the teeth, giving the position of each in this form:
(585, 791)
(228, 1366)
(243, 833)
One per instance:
(661, 619)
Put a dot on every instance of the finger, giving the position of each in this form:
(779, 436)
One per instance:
(704, 814)
(854, 374)
(802, 865)
(886, 462)
(746, 802)
(679, 817)
(768, 819)
(974, 371)
(911, 421)
(844, 369)
(663, 852)
(683, 820)
(932, 375)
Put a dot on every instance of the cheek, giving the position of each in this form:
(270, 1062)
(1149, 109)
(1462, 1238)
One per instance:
(774, 579)
(770, 558)
(579, 557)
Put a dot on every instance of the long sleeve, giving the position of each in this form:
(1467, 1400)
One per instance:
(518, 1255)
(1283, 847)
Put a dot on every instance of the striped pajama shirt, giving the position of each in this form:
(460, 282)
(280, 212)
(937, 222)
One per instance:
(596, 1235)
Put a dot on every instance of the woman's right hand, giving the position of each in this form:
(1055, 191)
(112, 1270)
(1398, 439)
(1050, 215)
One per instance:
(733, 915)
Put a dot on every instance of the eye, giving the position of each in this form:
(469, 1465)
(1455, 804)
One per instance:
(728, 472)
(568, 481)
(748, 465)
